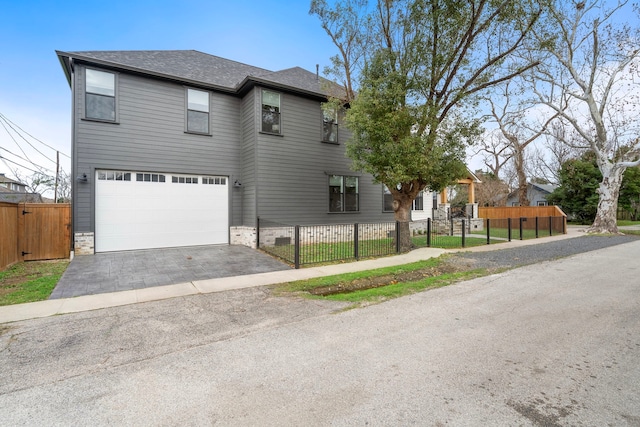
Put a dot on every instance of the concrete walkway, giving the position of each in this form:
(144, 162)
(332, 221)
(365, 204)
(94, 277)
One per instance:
(52, 307)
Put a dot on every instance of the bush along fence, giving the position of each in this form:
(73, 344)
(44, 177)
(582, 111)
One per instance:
(312, 244)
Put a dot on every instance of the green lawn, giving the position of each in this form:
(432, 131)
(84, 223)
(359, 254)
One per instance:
(30, 281)
(440, 277)
(623, 222)
(327, 252)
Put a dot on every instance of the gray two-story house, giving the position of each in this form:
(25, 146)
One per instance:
(181, 148)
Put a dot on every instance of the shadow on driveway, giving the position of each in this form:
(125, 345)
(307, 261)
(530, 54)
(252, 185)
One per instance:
(122, 271)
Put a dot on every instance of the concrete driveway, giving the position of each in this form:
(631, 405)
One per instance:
(123, 271)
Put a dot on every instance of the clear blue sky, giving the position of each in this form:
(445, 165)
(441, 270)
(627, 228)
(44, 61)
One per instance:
(34, 93)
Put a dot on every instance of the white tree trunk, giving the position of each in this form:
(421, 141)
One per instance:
(609, 191)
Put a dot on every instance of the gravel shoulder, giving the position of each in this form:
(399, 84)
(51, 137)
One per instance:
(532, 254)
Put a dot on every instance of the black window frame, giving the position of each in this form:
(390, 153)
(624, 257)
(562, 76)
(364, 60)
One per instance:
(387, 199)
(341, 200)
(330, 127)
(272, 112)
(190, 111)
(90, 98)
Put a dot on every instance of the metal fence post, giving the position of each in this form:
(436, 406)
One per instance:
(521, 221)
(536, 227)
(296, 254)
(356, 255)
(509, 229)
(258, 233)
(428, 232)
(550, 226)
(463, 233)
(397, 237)
(488, 231)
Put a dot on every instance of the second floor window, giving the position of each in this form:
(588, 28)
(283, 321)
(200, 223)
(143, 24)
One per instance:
(270, 112)
(100, 95)
(330, 126)
(197, 111)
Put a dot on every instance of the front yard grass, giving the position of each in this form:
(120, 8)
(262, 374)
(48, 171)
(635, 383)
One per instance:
(339, 251)
(30, 281)
(372, 286)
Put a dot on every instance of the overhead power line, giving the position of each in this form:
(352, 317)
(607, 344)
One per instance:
(24, 131)
(4, 159)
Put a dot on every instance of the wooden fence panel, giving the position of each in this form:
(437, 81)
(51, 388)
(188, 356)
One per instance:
(519, 212)
(9, 253)
(44, 231)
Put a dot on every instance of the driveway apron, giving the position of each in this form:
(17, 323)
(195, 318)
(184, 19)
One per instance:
(121, 271)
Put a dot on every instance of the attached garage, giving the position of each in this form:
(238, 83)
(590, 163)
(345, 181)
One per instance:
(141, 210)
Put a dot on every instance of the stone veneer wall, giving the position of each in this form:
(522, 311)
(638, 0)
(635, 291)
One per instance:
(83, 244)
(325, 233)
(245, 236)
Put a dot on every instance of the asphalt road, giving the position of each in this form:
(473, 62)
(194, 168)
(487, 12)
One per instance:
(551, 344)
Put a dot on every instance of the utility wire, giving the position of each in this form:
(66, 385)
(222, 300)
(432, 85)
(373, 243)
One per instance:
(25, 139)
(41, 168)
(43, 143)
(22, 158)
(4, 159)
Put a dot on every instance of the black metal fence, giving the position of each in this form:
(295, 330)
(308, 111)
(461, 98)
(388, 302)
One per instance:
(312, 244)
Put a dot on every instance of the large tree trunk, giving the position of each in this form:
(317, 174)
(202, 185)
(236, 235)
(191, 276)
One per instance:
(609, 190)
(402, 213)
(518, 158)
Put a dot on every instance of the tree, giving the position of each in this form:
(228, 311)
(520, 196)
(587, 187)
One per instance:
(491, 191)
(495, 152)
(38, 182)
(590, 79)
(579, 180)
(576, 193)
(428, 62)
(514, 120)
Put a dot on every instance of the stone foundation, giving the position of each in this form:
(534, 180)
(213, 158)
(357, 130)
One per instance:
(83, 243)
(245, 236)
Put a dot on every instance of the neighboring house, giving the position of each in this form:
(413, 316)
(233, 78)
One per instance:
(12, 185)
(428, 202)
(536, 193)
(11, 196)
(180, 148)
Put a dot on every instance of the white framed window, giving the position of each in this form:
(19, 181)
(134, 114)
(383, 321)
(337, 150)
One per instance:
(184, 179)
(114, 176)
(198, 111)
(343, 193)
(271, 112)
(418, 202)
(330, 126)
(214, 180)
(150, 177)
(100, 95)
(542, 203)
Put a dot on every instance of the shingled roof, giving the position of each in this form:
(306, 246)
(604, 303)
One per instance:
(194, 67)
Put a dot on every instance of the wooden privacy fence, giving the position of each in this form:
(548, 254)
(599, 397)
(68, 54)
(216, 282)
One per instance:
(34, 231)
(524, 212)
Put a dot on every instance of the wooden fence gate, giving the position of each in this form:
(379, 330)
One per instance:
(34, 231)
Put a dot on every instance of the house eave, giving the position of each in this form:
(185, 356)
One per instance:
(138, 71)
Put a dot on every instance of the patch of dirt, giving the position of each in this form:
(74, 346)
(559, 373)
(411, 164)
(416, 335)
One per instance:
(455, 265)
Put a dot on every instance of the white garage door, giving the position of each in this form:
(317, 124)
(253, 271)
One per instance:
(156, 210)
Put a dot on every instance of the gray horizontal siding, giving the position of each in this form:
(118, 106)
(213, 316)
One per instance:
(150, 136)
(293, 171)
